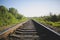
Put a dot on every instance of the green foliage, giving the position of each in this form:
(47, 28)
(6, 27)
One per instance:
(15, 13)
(53, 20)
(6, 18)
(9, 17)
(56, 24)
(3, 9)
(58, 17)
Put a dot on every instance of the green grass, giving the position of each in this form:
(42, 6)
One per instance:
(53, 24)
(10, 25)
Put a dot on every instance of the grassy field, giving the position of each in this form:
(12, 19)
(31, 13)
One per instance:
(53, 24)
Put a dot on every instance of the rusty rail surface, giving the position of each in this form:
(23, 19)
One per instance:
(10, 30)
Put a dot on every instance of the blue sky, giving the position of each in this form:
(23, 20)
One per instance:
(32, 8)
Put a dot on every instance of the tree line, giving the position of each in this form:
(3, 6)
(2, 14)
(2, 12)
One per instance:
(53, 18)
(9, 16)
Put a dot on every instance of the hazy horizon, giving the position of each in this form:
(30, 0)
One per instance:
(31, 8)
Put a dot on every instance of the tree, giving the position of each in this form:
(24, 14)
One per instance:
(6, 17)
(54, 18)
(59, 17)
(3, 9)
(10, 16)
(13, 10)
(15, 13)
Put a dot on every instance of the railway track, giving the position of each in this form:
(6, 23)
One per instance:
(31, 30)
